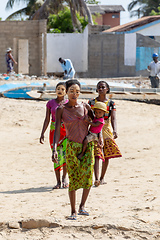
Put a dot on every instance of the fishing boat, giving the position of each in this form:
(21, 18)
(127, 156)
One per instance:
(19, 90)
(45, 91)
(48, 95)
(115, 93)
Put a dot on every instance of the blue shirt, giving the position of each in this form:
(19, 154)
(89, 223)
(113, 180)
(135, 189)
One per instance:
(67, 66)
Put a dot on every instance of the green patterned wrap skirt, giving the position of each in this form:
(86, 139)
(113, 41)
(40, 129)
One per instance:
(80, 172)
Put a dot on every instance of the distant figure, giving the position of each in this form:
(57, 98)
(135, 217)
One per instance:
(43, 88)
(154, 69)
(68, 68)
(9, 61)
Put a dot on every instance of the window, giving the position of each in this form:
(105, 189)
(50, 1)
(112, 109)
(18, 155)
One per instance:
(115, 16)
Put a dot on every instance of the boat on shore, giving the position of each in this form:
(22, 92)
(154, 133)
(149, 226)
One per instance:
(46, 91)
(19, 90)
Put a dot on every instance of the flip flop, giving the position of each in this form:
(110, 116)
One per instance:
(58, 186)
(83, 212)
(65, 185)
(72, 217)
(102, 182)
(97, 183)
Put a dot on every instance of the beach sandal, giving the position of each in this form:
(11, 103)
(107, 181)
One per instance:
(72, 217)
(97, 183)
(102, 182)
(65, 185)
(83, 212)
(58, 186)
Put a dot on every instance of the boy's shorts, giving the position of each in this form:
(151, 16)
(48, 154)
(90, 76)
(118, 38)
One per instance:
(92, 137)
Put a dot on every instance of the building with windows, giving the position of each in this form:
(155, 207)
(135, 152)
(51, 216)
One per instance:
(106, 14)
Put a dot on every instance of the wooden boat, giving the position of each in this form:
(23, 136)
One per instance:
(115, 93)
(48, 95)
(19, 90)
(44, 91)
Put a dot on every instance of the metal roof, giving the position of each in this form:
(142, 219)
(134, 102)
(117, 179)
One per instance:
(134, 24)
(102, 9)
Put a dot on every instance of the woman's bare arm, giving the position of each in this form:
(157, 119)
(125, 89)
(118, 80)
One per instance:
(90, 111)
(114, 123)
(45, 124)
(56, 137)
(11, 57)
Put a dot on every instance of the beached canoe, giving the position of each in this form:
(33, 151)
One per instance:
(48, 95)
(19, 90)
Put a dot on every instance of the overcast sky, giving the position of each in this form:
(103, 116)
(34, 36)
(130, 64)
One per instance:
(125, 16)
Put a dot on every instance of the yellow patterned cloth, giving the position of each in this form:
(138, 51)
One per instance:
(80, 172)
(110, 149)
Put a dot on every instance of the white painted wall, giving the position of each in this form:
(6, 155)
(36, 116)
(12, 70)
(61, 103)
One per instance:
(153, 30)
(23, 56)
(67, 45)
(130, 49)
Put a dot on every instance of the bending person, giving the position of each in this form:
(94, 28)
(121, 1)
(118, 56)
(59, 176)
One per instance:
(67, 67)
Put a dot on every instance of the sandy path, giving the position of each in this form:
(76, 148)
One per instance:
(128, 207)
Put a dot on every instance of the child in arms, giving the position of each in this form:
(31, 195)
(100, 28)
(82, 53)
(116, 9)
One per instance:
(96, 126)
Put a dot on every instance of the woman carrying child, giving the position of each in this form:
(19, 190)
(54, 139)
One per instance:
(80, 172)
(110, 148)
(61, 148)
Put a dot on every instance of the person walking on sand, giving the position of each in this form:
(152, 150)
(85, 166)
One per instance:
(110, 148)
(154, 69)
(96, 126)
(61, 146)
(67, 67)
(80, 172)
(9, 60)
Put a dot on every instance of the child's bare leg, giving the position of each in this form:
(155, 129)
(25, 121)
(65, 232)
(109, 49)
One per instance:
(58, 185)
(96, 172)
(104, 169)
(96, 168)
(85, 142)
(64, 180)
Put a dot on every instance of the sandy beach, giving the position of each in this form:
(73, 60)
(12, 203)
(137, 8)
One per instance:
(127, 207)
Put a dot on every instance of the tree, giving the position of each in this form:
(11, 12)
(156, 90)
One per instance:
(144, 7)
(153, 13)
(62, 22)
(29, 10)
(75, 6)
(92, 2)
(47, 7)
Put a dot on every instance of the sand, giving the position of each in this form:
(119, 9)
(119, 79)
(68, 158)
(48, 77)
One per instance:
(127, 207)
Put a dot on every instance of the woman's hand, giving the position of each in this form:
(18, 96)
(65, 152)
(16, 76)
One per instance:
(54, 156)
(87, 119)
(115, 135)
(41, 140)
(100, 142)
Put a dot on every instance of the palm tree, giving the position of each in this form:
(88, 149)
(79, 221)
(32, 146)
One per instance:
(145, 7)
(40, 9)
(75, 5)
(29, 10)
